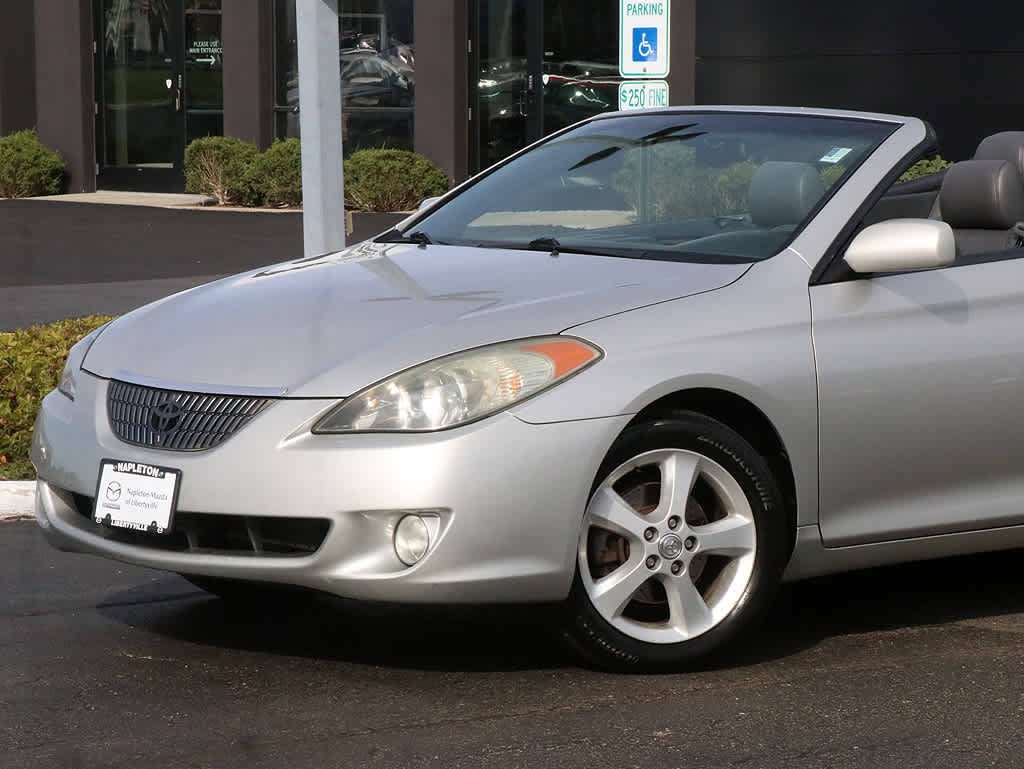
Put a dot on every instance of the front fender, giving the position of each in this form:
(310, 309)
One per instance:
(751, 338)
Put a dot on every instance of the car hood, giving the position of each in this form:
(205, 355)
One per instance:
(329, 326)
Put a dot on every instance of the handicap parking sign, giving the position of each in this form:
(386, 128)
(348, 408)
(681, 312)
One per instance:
(645, 43)
(643, 38)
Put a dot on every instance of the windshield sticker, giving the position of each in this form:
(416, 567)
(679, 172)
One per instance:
(836, 154)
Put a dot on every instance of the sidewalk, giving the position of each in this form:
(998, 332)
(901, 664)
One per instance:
(179, 200)
(119, 198)
(17, 499)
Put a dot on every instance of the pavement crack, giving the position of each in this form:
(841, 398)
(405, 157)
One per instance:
(148, 657)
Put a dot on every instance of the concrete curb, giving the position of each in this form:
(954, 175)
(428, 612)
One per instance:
(17, 499)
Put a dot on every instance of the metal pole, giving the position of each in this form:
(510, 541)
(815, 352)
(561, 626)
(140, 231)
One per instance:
(323, 193)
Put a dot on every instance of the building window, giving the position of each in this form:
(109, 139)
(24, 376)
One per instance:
(377, 73)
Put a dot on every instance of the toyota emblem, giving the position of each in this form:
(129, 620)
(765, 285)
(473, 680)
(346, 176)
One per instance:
(165, 417)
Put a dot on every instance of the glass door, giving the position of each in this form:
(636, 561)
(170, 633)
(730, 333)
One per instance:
(141, 120)
(505, 69)
(581, 61)
(159, 85)
(538, 66)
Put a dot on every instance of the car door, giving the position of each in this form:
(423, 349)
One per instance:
(921, 401)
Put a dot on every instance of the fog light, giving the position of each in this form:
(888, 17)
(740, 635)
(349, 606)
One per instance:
(412, 539)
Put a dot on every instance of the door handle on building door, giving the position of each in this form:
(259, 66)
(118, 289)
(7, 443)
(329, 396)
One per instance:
(526, 96)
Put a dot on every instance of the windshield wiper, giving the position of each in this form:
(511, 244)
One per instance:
(552, 245)
(544, 244)
(418, 237)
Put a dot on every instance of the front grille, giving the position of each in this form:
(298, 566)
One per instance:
(269, 536)
(176, 420)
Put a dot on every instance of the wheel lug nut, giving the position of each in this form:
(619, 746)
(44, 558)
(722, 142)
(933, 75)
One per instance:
(673, 522)
(677, 567)
(650, 533)
(652, 561)
(690, 543)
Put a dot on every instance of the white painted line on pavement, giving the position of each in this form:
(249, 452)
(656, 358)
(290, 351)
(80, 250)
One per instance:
(17, 499)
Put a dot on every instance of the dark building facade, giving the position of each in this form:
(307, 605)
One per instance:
(17, 68)
(957, 65)
(121, 87)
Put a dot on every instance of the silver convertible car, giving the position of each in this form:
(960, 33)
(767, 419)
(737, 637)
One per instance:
(647, 369)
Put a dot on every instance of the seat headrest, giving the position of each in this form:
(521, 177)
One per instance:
(783, 193)
(1008, 146)
(982, 194)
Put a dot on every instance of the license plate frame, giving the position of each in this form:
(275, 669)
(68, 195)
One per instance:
(136, 496)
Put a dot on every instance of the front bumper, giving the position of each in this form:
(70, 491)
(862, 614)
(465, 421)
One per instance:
(509, 495)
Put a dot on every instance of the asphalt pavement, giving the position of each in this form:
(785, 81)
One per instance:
(68, 259)
(109, 666)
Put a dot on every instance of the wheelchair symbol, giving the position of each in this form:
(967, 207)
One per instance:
(645, 43)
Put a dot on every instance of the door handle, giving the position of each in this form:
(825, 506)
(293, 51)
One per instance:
(526, 96)
(178, 94)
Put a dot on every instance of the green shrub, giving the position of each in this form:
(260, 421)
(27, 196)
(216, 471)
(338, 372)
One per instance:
(924, 168)
(27, 168)
(677, 188)
(30, 364)
(277, 174)
(390, 180)
(221, 166)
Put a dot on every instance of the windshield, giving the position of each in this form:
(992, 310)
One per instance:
(687, 186)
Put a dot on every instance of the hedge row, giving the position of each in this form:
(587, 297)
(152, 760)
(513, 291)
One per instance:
(30, 364)
(236, 173)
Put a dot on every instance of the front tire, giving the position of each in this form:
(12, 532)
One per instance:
(682, 546)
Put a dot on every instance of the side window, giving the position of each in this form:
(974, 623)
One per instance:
(913, 195)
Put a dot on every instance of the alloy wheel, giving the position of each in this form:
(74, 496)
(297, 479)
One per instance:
(667, 546)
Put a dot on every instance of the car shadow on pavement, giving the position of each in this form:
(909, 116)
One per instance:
(503, 638)
(928, 593)
(474, 638)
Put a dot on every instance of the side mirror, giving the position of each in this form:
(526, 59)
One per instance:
(427, 203)
(902, 245)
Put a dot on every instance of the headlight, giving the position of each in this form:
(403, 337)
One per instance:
(67, 385)
(76, 357)
(461, 388)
